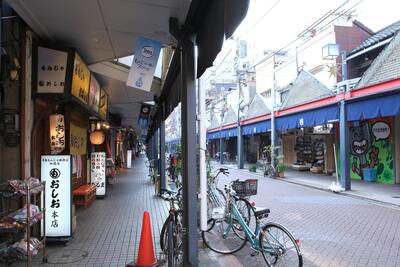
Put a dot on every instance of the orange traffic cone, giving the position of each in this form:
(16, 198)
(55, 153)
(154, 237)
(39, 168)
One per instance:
(146, 256)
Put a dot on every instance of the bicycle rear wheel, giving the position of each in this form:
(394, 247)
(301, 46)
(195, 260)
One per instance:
(221, 237)
(278, 246)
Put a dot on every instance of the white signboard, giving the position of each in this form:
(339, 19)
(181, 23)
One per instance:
(51, 68)
(56, 172)
(144, 64)
(98, 172)
(129, 159)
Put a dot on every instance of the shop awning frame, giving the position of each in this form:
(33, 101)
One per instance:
(369, 108)
(256, 128)
(308, 118)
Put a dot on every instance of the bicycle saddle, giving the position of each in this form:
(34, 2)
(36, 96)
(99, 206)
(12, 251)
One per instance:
(261, 212)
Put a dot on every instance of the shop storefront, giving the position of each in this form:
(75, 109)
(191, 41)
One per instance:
(69, 105)
(373, 124)
(256, 137)
(308, 138)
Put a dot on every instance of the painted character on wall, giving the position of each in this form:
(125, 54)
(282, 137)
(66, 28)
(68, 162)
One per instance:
(360, 145)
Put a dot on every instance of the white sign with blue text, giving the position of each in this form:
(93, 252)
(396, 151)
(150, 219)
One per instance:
(56, 172)
(144, 64)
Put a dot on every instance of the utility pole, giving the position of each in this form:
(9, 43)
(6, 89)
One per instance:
(239, 79)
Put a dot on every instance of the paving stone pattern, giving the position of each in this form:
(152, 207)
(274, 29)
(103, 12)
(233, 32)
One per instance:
(108, 231)
(334, 230)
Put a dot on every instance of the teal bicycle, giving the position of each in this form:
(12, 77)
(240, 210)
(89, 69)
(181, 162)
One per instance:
(229, 231)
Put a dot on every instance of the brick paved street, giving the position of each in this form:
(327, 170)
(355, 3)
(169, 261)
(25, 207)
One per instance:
(109, 230)
(334, 230)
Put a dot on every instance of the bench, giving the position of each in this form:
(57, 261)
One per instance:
(84, 195)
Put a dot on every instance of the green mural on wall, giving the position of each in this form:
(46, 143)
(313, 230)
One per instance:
(372, 146)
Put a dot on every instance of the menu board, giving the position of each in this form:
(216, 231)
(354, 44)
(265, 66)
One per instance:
(98, 172)
(56, 172)
(80, 80)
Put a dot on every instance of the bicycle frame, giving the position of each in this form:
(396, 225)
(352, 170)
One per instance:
(251, 236)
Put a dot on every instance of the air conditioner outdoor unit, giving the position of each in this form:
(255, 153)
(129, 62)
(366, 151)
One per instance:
(346, 85)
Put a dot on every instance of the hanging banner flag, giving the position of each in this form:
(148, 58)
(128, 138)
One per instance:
(144, 64)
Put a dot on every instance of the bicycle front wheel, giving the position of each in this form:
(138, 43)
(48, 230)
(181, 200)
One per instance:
(278, 246)
(221, 237)
(244, 209)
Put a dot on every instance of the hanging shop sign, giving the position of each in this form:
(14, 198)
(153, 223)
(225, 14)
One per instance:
(144, 64)
(98, 172)
(103, 104)
(56, 172)
(94, 94)
(80, 80)
(51, 70)
(77, 140)
(57, 133)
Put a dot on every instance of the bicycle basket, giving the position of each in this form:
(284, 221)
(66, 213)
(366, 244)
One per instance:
(245, 188)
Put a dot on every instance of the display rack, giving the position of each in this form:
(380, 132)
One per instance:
(14, 227)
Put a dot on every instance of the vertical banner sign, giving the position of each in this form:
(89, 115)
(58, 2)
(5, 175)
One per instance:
(98, 172)
(144, 64)
(51, 69)
(56, 172)
(80, 80)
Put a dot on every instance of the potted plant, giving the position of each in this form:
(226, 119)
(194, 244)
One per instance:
(280, 167)
(253, 168)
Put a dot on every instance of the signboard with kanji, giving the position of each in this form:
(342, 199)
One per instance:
(56, 172)
(98, 172)
(80, 80)
(77, 140)
(51, 70)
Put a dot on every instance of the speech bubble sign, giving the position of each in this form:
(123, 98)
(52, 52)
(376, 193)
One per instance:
(381, 130)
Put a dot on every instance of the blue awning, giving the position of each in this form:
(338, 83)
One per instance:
(173, 142)
(229, 133)
(318, 116)
(226, 133)
(214, 135)
(384, 106)
(256, 128)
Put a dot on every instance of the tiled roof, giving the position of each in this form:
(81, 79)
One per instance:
(214, 122)
(379, 36)
(305, 88)
(230, 116)
(257, 107)
(385, 67)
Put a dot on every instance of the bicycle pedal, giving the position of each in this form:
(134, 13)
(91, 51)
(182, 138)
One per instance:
(254, 253)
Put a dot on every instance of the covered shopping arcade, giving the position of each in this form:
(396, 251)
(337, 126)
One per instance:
(111, 32)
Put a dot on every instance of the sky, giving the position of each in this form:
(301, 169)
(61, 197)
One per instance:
(274, 23)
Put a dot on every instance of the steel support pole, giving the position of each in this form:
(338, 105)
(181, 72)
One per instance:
(189, 177)
(203, 149)
(344, 148)
(163, 182)
(273, 128)
(240, 146)
(221, 156)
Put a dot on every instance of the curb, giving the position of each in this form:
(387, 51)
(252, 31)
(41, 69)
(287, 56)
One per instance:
(375, 201)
